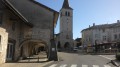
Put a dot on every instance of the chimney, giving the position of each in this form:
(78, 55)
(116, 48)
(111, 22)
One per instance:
(89, 26)
(93, 24)
(118, 21)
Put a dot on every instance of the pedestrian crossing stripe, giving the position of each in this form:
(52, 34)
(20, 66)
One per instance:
(84, 65)
(107, 66)
(63, 65)
(75, 65)
(95, 66)
(54, 65)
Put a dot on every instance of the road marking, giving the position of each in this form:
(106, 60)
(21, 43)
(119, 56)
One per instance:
(74, 65)
(63, 65)
(95, 66)
(107, 66)
(105, 57)
(84, 65)
(53, 65)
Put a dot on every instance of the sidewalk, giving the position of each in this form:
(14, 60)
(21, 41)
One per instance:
(30, 62)
(113, 59)
(110, 56)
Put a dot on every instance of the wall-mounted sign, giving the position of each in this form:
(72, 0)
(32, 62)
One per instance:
(53, 49)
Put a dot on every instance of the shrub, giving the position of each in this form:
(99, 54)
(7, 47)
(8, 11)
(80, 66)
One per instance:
(118, 56)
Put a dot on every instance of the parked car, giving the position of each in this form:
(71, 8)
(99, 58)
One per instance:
(75, 49)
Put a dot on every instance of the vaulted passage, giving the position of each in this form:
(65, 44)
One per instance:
(66, 46)
(34, 50)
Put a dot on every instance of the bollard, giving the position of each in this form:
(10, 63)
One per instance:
(38, 59)
(29, 59)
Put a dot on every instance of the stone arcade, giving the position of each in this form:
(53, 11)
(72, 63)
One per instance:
(25, 25)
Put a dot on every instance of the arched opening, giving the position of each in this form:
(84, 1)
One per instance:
(66, 45)
(68, 13)
(33, 50)
(59, 45)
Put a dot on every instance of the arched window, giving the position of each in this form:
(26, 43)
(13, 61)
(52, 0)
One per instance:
(66, 14)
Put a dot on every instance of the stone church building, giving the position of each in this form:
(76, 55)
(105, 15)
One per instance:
(64, 39)
(25, 25)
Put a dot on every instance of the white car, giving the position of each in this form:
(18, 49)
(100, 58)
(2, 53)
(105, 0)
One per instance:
(75, 49)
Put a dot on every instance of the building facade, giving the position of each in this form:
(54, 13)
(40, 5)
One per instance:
(12, 26)
(25, 28)
(106, 34)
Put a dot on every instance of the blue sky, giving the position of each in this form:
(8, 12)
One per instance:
(87, 12)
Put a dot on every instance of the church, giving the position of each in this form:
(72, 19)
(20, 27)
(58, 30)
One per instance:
(64, 39)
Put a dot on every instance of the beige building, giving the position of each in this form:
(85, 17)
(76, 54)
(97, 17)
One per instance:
(106, 36)
(25, 28)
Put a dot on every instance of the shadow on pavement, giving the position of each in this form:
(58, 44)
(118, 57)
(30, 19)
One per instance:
(30, 62)
(76, 52)
(40, 58)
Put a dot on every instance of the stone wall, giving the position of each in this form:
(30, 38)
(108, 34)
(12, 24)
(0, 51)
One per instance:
(4, 42)
(7, 33)
(39, 16)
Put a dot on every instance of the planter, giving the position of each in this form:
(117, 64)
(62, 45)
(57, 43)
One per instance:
(118, 56)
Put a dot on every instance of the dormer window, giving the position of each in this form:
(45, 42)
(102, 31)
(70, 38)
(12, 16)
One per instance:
(103, 30)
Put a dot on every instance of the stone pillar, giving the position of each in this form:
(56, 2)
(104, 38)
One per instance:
(53, 51)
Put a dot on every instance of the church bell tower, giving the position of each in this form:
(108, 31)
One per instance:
(66, 26)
